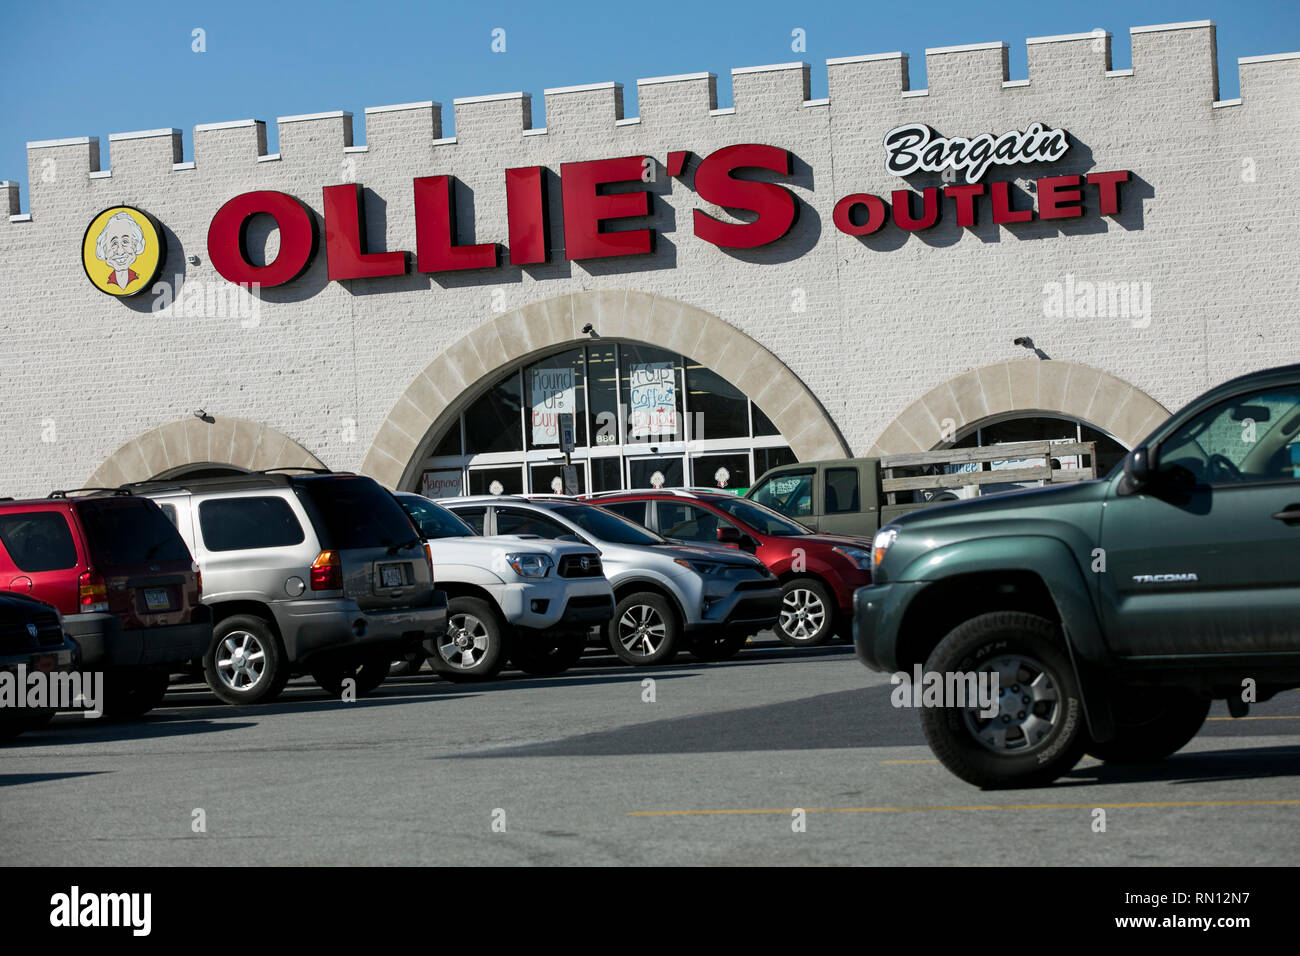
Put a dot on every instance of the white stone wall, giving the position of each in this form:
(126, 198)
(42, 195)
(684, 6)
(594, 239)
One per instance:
(1210, 223)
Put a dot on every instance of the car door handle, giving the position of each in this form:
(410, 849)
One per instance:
(1288, 515)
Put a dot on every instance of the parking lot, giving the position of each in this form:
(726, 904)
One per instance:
(582, 769)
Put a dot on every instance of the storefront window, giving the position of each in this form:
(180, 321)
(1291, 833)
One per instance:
(556, 386)
(719, 409)
(1048, 428)
(651, 391)
(643, 417)
(493, 422)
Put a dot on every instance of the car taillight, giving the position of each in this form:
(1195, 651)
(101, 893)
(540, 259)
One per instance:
(92, 592)
(428, 555)
(198, 581)
(327, 572)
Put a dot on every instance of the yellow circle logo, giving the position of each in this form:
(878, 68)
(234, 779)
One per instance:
(122, 251)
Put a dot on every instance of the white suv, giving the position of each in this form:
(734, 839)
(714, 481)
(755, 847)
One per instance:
(509, 596)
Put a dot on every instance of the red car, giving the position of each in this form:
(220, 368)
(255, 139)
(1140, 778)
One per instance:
(121, 576)
(818, 572)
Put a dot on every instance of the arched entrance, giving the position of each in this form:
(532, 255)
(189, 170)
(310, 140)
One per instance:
(1017, 400)
(193, 446)
(632, 337)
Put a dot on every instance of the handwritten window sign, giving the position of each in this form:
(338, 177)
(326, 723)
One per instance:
(653, 408)
(441, 484)
(552, 395)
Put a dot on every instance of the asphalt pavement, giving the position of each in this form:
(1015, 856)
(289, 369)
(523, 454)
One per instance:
(585, 769)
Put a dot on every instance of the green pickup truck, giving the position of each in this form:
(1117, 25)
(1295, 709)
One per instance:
(1104, 616)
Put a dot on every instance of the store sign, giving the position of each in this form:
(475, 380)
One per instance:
(917, 148)
(552, 396)
(604, 193)
(441, 484)
(122, 250)
(653, 409)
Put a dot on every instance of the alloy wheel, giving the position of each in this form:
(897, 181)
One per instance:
(465, 643)
(803, 615)
(242, 661)
(1029, 706)
(641, 630)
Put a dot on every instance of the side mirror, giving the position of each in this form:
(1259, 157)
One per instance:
(1139, 469)
(729, 535)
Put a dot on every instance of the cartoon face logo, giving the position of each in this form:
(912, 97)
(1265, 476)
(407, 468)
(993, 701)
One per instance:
(122, 251)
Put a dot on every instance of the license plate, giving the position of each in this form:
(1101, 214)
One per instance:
(390, 575)
(155, 599)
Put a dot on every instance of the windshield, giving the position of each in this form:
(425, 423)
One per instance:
(760, 517)
(606, 526)
(356, 512)
(434, 521)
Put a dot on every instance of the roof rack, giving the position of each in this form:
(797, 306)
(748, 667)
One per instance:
(289, 468)
(120, 492)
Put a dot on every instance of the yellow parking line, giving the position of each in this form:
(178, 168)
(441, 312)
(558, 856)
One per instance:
(987, 806)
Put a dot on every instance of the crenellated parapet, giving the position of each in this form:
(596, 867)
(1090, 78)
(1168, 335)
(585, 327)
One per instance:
(1174, 72)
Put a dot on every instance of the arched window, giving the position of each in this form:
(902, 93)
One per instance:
(641, 416)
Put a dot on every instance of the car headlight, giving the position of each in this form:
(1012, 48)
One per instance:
(881, 543)
(699, 567)
(861, 559)
(528, 564)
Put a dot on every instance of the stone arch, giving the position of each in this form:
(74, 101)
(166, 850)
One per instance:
(1027, 385)
(193, 441)
(459, 374)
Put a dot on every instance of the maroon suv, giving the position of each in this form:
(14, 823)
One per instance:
(124, 581)
(818, 572)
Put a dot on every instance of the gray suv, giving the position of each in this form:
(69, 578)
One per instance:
(316, 573)
(667, 596)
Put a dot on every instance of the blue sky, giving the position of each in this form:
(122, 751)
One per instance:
(88, 69)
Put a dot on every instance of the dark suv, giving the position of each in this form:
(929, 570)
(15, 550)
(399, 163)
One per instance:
(31, 640)
(316, 573)
(818, 572)
(122, 578)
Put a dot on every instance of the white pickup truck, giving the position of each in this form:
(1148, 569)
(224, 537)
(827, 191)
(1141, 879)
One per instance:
(516, 597)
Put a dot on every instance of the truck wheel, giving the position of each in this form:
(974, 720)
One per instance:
(1038, 732)
(130, 694)
(720, 647)
(368, 675)
(245, 664)
(1150, 724)
(807, 613)
(644, 630)
(473, 646)
(545, 655)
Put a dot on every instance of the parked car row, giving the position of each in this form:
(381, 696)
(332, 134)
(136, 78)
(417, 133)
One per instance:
(258, 578)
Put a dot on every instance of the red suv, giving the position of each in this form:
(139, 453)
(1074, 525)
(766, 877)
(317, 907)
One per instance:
(818, 572)
(124, 581)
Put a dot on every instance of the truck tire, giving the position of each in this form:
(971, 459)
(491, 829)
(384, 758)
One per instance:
(1039, 732)
(368, 675)
(545, 655)
(644, 630)
(807, 613)
(130, 694)
(245, 663)
(1150, 724)
(473, 646)
(717, 647)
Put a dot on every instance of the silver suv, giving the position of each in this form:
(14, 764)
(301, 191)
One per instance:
(667, 596)
(316, 573)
